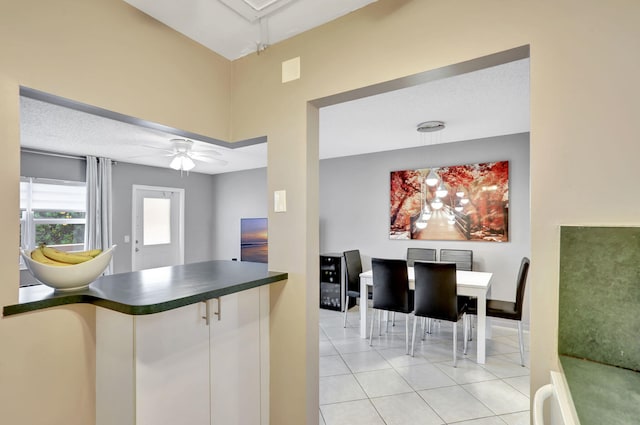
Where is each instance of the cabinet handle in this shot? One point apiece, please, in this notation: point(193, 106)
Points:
point(207, 313)
point(219, 312)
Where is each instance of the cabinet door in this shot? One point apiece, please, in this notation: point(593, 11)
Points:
point(235, 359)
point(172, 367)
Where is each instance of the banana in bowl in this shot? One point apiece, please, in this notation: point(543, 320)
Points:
point(66, 271)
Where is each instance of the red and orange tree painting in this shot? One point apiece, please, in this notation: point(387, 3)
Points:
point(460, 202)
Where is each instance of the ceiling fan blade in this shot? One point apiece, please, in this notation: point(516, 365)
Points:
point(209, 160)
point(151, 156)
point(201, 156)
point(207, 152)
point(171, 151)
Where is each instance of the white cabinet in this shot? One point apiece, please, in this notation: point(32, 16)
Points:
point(172, 364)
point(236, 360)
point(172, 368)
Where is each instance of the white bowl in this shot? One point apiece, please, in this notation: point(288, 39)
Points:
point(68, 278)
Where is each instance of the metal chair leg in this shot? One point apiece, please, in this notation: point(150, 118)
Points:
point(373, 319)
point(521, 343)
point(346, 309)
point(393, 320)
point(413, 338)
point(465, 329)
point(455, 344)
point(424, 327)
point(406, 333)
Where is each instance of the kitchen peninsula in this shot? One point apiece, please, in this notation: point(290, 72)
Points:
point(179, 344)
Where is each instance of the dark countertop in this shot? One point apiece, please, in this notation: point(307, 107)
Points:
point(154, 290)
point(602, 394)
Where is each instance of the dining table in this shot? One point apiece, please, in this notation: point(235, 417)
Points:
point(469, 283)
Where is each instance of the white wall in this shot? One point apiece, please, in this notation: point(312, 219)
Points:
point(237, 195)
point(354, 205)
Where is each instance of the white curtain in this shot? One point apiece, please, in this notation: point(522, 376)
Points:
point(98, 230)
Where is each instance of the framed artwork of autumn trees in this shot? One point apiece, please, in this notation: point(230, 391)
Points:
point(460, 202)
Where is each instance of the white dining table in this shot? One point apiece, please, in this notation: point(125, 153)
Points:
point(473, 284)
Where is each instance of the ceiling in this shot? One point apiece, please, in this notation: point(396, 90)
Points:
point(490, 102)
point(236, 28)
point(49, 127)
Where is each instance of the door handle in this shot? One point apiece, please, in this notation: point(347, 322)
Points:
point(207, 313)
point(219, 312)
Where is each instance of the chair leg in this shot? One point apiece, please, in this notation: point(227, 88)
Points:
point(393, 320)
point(455, 344)
point(465, 329)
point(373, 319)
point(346, 309)
point(380, 322)
point(406, 333)
point(521, 343)
point(470, 324)
point(424, 327)
point(413, 338)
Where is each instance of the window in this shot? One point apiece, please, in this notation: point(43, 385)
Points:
point(52, 212)
point(156, 227)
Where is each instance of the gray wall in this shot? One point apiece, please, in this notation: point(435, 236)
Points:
point(354, 204)
point(199, 219)
point(237, 195)
point(198, 201)
point(52, 167)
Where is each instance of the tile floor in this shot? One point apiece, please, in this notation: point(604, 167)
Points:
point(382, 385)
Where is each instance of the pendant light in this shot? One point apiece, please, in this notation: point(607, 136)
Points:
point(432, 178)
point(441, 191)
point(436, 204)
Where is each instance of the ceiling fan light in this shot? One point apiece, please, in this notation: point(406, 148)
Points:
point(182, 162)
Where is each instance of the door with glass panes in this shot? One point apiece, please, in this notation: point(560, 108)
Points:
point(158, 227)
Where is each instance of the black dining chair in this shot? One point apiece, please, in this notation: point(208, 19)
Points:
point(462, 257)
point(436, 297)
point(420, 254)
point(508, 309)
point(353, 266)
point(391, 292)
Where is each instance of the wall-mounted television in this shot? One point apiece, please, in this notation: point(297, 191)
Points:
point(253, 240)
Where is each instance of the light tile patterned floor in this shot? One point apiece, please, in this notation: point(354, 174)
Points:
point(382, 385)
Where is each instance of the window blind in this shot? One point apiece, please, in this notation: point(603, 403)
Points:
point(48, 195)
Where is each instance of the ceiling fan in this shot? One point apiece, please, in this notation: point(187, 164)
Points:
point(183, 155)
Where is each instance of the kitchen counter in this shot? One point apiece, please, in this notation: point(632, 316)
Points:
point(602, 394)
point(153, 290)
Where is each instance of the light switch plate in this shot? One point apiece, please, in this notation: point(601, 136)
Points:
point(280, 201)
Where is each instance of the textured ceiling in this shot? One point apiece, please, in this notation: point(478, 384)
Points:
point(490, 102)
point(52, 128)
